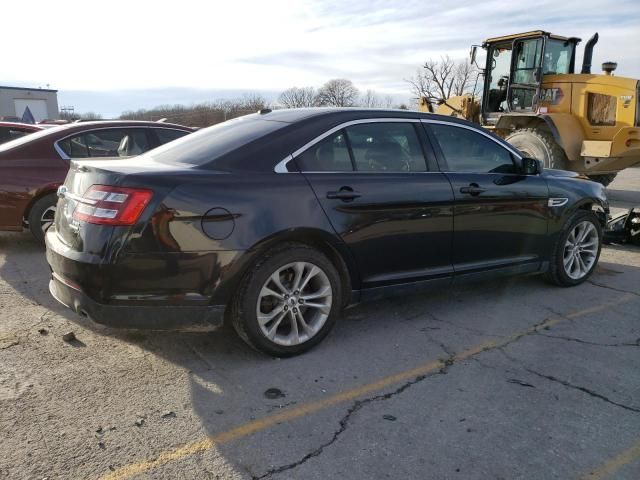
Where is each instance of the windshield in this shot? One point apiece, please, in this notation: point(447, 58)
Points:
point(210, 143)
point(557, 57)
point(28, 138)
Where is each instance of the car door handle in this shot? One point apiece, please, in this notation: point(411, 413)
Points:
point(473, 189)
point(345, 193)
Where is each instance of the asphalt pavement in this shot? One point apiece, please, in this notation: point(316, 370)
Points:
point(506, 379)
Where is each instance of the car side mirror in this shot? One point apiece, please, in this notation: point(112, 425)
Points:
point(472, 53)
point(532, 166)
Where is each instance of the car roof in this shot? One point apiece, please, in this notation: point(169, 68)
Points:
point(292, 115)
point(125, 123)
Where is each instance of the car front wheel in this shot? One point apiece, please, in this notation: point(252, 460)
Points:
point(577, 250)
point(289, 302)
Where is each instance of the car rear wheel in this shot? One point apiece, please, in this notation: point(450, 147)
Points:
point(41, 216)
point(577, 250)
point(289, 302)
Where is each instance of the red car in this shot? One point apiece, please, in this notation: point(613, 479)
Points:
point(12, 130)
point(32, 167)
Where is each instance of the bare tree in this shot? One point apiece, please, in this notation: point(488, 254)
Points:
point(370, 100)
point(253, 102)
point(440, 79)
point(298, 97)
point(338, 92)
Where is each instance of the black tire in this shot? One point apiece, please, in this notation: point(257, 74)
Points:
point(539, 144)
point(605, 179)
point(41, 206)
point(556, 273)
point(243, 314)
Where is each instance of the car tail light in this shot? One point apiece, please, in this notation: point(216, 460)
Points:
point(107, 205)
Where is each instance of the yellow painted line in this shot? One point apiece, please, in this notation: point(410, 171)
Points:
point(614, 464)
point(254, 426)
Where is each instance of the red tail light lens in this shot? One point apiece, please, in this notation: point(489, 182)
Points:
point(107, 205)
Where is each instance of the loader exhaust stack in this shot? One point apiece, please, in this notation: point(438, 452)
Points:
point(588, 54)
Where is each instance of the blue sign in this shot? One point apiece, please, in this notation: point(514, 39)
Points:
point(27, 116)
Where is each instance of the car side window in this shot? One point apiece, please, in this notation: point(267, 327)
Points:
point(166, 135)
point(386, 147)
point(109, 142)
point(75, 147)
point(468, 151)
point(328, 155)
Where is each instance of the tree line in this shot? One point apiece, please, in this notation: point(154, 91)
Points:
point(337, 92)
point(434, 82)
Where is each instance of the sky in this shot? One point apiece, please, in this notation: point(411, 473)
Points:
point(112, 56)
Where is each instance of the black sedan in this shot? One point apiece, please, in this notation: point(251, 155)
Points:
point(277, 220)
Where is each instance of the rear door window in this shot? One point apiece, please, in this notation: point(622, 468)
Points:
point(108, 142)
point(328, 155)
point(367, 147)
point(386, 147)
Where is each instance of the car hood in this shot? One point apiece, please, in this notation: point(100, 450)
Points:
point(554, 172)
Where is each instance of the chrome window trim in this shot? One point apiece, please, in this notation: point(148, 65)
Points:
point(281, 166)
point(64, 156)
point(61, 152)
point(474, 129)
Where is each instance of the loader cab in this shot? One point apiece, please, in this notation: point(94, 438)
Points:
point(515, 67)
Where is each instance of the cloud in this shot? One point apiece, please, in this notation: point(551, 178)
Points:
point(254, 45)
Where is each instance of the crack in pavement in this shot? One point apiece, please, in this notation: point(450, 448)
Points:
point(359, 404)
point(344, 422)
point(408, 317)
point(587, 342)
point(567, 384)
point(409, 377)
point(621, 290)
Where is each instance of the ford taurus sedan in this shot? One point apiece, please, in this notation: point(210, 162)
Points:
point(277, 220)
point(32, 167)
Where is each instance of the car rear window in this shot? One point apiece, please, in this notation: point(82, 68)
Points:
point(208, 144)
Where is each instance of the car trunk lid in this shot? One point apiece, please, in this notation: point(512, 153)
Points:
point(83, 175)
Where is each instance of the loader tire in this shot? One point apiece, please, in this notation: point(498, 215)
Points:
point(539, 144)
point(605, 179)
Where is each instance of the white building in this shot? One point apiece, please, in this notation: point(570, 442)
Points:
point(42, 103)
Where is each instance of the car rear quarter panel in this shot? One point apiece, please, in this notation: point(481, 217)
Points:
point(244, 216)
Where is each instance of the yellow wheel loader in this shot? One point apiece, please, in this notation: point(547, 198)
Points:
point(532, 97)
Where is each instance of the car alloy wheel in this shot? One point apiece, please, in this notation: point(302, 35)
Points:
point(580, 250)
point(294, 303)
point(47, 217)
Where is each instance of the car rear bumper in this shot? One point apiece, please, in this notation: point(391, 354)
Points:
point(136, 295)
point(145, 317)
